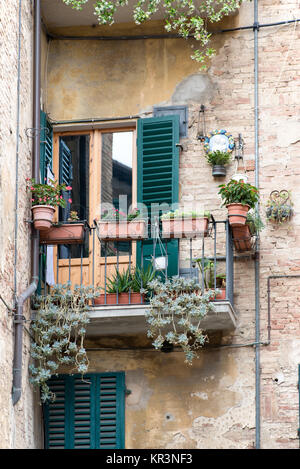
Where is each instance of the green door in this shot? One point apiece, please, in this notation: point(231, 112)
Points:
point(158, 181)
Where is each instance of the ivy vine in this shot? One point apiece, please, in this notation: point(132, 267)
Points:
point(189, 18)
point(58, 330)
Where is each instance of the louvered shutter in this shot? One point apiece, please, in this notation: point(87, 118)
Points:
point(65, 176)
point(158, 178)
point(87, 413)
point(46, 154)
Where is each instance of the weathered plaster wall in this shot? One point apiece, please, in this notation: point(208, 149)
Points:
point(19, 425)
point(212, 404)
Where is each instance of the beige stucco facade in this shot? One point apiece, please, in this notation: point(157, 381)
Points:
point(172, 405)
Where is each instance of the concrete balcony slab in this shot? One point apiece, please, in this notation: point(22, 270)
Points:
point(130, 319)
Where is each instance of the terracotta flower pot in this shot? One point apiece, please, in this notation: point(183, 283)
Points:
point(121, 230)
point(42, 216)
point(219, 296)
point(237, 213)
point(123, 299)
point(242, 238)
point(184, 227)
point(68, 233)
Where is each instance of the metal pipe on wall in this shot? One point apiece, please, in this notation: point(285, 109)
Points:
point(257, 262)
point(19, 318)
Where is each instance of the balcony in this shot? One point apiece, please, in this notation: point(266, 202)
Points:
point(91, 261)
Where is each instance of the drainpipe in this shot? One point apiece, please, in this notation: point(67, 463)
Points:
point(257, 261)
point(19, 318)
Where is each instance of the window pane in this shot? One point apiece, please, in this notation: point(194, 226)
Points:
point(116, 179)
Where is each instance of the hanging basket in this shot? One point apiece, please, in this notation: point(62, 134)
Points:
point(42, 216)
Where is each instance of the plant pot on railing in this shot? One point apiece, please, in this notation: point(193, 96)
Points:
point(42, 216)
point(184, 225)
point(127, 298)
point(66, 233)
point(238, 197)
point(242, 238)
point(45, 198)
point(111, 230)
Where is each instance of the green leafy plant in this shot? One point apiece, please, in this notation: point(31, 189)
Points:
point(135, 280)
point(120, 282)
point(177, 308)
point(117, 215)
point(254, 222)
point(279, 207)
point(189, 18)
point(239, 192)
point(207, 269)
point(58, 330)
point(47, 194)
point(180, 214)
point(218, 158)
point(73, 216)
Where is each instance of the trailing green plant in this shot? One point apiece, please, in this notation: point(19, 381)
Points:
point(239, 192)
point(180, 214)
point(58, 330)
point(279, 207)
point(254, 222)
point(189, 18)
point(177, 308)
point(218, 158)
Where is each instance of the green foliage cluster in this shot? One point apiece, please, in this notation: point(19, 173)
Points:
point(188, 18)
point(58, 330)
point(279, 209)
point(218, 158)
point(115, 214)
point(255, 222)
point(47, 194)
point(136, 280)
point(239, 192)
point(177, 308)
point(180, 214)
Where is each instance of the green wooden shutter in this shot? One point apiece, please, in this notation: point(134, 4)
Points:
point(158, 177)
point(87, 413)
point(46, 158)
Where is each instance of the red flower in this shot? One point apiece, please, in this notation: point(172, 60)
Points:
point(70, 201)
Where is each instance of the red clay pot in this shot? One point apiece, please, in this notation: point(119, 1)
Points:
point(42, 216)
point(68, 233)
point(184, 227)
point(237, 214)
point(241, 238)
point(123, 299)
point(122, 230)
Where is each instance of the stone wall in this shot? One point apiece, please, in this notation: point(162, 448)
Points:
point(215, 406)
point(19, 425)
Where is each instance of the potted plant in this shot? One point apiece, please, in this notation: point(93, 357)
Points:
point(128, 287)
point(44, 199)
point(177, 307)
point(207, 268)
point(243, 234)
point(279, 207)
point(218, 160)
point(65, 233)
point(178, 224)
point(117, 225)
point(238, 197)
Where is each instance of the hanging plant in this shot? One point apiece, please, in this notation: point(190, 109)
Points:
point(177, 308)
point(189, 18)
point(279, 206)
point(59, 329)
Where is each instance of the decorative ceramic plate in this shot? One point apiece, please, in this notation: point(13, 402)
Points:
point(219, 140)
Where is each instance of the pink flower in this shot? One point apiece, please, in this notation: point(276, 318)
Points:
point(32, 200)
point(61, 197)
point(70, 201)
point(68, 188)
